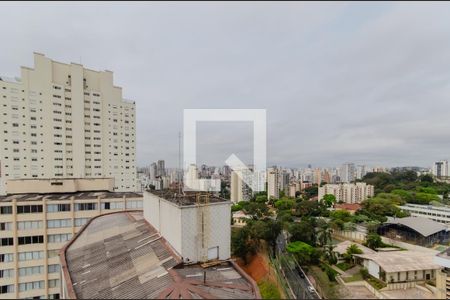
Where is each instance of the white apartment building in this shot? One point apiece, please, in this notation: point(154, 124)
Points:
point(66, 121)
point(436, 213)
point(348, 192)
point(273, 183)
point(348, 172)
point(34, 227)
point(440, 168)
point(239, 190)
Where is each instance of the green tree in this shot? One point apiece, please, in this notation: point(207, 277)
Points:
point(303, 231)
point(256, 210)
point(426, 178)
point(374, 241)
point(329, 200)
point(284, 204)
point(323, 233)
point(242, 244)
point(351, 250)
point(303, 252)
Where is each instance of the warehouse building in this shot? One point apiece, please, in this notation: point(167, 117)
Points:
point(177, 248)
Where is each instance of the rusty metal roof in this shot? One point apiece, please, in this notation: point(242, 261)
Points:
point(120, 255)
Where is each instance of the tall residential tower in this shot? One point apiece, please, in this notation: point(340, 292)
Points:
point(65, 121)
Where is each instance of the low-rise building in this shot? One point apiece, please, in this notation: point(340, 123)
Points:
point(123, 255)
point(443, 275)
point(400, 266)
point(341, 248)
point(416, 230)
point(350, 207)
point(439, 214)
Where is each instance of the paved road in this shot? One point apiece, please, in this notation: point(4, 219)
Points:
point(298, 284)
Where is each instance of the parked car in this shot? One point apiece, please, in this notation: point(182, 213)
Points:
point(300, 272)
point(311, 289)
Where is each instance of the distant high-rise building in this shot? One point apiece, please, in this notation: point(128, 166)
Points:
point(360, 171)
point(440, 168)
point(153, 171)
point(273, 187)
point(161, 169)
point(239, 190)
point(347, 172)
point(65, 121)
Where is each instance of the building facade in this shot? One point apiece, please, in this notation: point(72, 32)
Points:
point(439, 214)
point(273, 184)
point(348, 192)
point(440, 168)
point(239, 190)
point(66, 121)
point(197, 228)
point(34, 227)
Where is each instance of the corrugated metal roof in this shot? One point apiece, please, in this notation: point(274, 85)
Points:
point(121, 256)
point(424, 226)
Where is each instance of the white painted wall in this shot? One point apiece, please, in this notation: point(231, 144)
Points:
point(179, 226)
point(373, 268)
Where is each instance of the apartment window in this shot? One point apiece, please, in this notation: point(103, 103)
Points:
point(5, 226)
point(7, 242)
point(59, 238)
point(8, 273)
point(5, 210)
point(59, 223)
point(31, 255)
point(85, 206)
point(29, 271)
point(27, 209)
point(5, 289)
point(27, 225)
point(133, 204)
point(53, 268)
point(34, 285)
point(53, 283)
point(52, 253)
point(80, 221)
point(6, 257)
point(27, 240)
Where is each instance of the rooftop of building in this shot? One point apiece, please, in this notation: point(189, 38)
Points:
point(187, 198)
point(10, 79)
point(423, 226)
point(342, 247)
point(348, 206)
point(67, 196)
point(120, 255)
point(401, 261)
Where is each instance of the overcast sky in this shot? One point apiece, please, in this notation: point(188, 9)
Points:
point(367, 83)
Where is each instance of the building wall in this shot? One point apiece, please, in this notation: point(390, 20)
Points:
point(56, 126)
point(273, 188)
point(49, 248)
point(438, 214)
point(182, 226)
point(348, 192)
point(40, 186)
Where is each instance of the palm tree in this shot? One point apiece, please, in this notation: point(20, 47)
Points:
point(324, 233)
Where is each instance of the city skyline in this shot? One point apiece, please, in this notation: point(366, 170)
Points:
point(326, 98)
